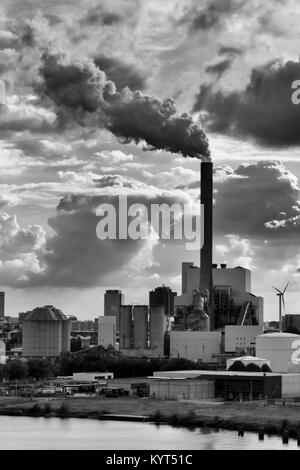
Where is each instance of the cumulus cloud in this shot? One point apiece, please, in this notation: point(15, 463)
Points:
point(19, 249)
point(252, 196)
point(211, 15)
point(24, 114)
point(239, 249)
point(72, 255)
point(263, 110)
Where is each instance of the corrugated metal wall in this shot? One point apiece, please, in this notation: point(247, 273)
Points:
point(182, 389)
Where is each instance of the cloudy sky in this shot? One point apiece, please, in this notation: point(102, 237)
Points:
point(107, 98)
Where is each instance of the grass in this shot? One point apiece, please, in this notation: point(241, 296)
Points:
point(249, 416)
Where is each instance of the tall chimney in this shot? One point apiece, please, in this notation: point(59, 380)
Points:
point(206, 281)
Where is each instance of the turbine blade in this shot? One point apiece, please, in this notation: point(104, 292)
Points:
point(286, 287)
point(277, 289)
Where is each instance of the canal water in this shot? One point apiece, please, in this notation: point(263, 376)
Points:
point(87, 434)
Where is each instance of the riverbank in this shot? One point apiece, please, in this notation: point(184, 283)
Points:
point(250, 416)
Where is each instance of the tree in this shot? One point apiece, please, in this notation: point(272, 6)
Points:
point(39, 368)
point(237, 366)
point(265, 368)
point(16, 369)
point(252, 368)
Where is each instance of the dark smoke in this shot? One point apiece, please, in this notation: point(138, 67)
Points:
point(219, 68)
point(121, 73)
point(81, 91)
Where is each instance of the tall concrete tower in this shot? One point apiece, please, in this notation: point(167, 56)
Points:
point(206, 281)
point(2, 304)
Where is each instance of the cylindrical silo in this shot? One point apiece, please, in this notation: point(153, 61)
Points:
point(281, 350)
point(45, 333)
point(125, 323)
point(140, 329)
point(158, 327)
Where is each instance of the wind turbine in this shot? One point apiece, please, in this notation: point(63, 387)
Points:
point(281, 303)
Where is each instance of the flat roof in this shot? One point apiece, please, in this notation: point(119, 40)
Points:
point(189, 374)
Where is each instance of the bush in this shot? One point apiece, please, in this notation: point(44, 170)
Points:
point(252, 368)
point(36, 410)
point(265, 368)
point(47, 408)
point(157, 416)
point(238, 366)
point(284, 425)
point(64, 410)
point(39, 368)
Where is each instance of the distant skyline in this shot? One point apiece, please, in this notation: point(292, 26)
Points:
point(230, 64)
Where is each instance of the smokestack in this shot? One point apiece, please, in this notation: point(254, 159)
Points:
point(206, 281)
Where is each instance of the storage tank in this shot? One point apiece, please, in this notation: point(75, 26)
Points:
point(125, 322)
point(158, 327)
point(140, 328)
point(45, 333)
point(282, 350)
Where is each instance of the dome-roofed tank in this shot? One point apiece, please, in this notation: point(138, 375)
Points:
point(46, 333)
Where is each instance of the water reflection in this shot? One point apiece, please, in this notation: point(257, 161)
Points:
point(54, 433)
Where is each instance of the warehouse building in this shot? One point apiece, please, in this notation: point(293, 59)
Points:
point(224, 385)
point(186, 389)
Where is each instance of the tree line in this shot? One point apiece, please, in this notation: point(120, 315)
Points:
point(94, 361)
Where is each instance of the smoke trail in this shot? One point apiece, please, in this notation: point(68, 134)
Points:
point(81, 92)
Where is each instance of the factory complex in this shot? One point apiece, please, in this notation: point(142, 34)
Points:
point(216, 322)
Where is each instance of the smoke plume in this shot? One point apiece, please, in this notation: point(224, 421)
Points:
point(82, 92)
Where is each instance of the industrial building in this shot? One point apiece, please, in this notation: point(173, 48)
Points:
point(143, 330)
point(291, 322)
point(2, 305)
point(233, 302)
point(187, 389)
point(238, 314)
point(227, 385)
point(241, 339)
point(82, 326)
point(195, 345)
point(107, 331)
point(113, 299)
point(281, 349)
point(91, 376)
point(246, 360)
point(163, 296)
point(46, 333)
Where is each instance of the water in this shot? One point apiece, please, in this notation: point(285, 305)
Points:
point(84, 434)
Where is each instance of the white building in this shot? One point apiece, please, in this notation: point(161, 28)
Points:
point(241, 338)
point(92, 376)
point(107, 331)
point(195, 345)
point(248, 360)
